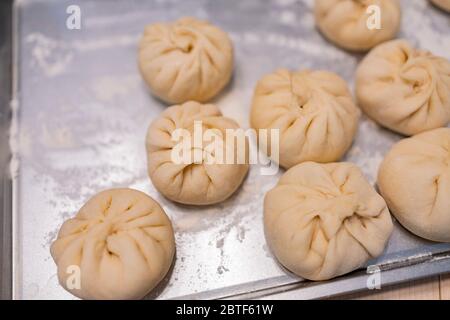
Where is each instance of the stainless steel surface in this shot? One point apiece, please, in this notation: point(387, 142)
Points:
point(82, 115)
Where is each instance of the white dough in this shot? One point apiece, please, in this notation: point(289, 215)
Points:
point(191, 182)
point(121, 242)
point(345, 22)
point(443, 4)
point(414, 178)
point(404, 89)
point(325, 220)
point(188, 59)
point(313, 111)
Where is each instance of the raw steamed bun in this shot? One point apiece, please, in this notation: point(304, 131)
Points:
point(344, 22)
point(414, 178)
point(404, 89)
point(443, 4)
point(122, 242)
point(188, 59)
point(313, 110)
point(325, 220)
point(192, 183)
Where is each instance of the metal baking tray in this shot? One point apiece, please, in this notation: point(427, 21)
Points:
point(80, 112)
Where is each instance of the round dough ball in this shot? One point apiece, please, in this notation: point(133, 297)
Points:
point(414, 178)
point(188, 59)
point(121, 242)
point(344, 22)
point(325, 220)
point(192, 181)
point(443, 4)
point(404, 89)
point(313, 110)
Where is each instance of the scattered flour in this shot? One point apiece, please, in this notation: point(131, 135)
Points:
point(50, 55)
point(53, 57)
point(58, 138)
point(14, 140)
point(109, 88)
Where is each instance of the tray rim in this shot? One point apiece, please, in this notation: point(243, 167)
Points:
point(289, 286)
point(6, 87)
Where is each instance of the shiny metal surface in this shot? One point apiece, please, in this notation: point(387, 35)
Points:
point(83, 112)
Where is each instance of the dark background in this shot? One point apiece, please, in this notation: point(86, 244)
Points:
point(5, 116)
